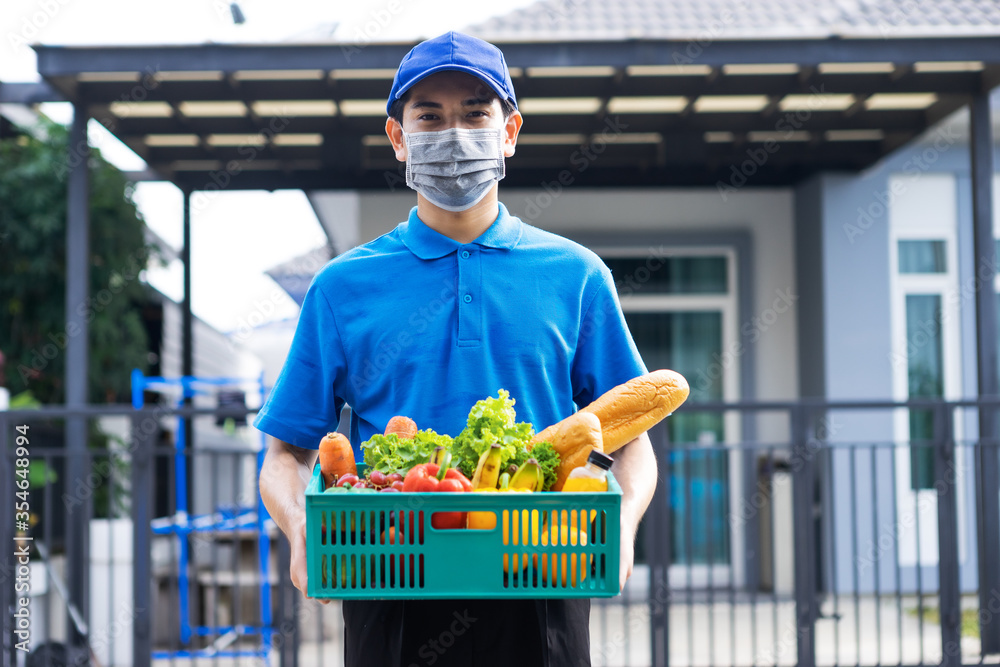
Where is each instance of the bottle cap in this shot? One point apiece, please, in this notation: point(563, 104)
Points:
point(600, 459)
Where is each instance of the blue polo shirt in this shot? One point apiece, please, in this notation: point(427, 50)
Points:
point(415, 323)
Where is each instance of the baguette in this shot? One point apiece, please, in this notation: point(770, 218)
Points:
point(632, 408)
point(573, 439)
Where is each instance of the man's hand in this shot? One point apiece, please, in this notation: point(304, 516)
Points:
point(283, 479)
point(627, 557)
point(635, 470)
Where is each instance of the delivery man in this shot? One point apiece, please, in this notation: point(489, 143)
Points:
point(460, 300)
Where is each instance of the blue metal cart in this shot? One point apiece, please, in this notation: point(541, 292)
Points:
point(182, 524)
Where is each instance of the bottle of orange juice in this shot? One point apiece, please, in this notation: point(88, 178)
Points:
point(592, 477)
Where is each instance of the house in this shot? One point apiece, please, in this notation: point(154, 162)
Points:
point(794, 199)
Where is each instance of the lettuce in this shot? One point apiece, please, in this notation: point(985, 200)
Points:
point(491, 420)
point(390, 453)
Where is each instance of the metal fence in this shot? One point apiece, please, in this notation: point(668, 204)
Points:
point(801, 533)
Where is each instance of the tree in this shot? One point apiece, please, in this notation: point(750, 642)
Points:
point(33, 333)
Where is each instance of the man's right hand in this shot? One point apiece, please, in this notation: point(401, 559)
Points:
point(283, 479)
point(297, 569)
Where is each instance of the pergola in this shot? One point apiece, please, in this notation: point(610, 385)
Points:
point(662, 112)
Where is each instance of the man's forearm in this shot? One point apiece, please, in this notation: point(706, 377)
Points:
point(635, 470)
point(283, 479)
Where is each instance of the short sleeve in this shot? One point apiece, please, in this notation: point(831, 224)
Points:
point(304, 403)
point(606, 355)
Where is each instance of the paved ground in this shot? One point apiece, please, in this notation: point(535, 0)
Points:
point(741, 630)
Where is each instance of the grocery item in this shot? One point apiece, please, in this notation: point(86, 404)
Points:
point(591, 477)
point(529, 476)
point(573, 439)
point(402, 426)
point(631, 408)
point(432, 478)
point(336, 457)
point(488, 470)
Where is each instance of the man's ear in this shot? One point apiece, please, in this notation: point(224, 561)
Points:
point(395, 133)
point(511, 128)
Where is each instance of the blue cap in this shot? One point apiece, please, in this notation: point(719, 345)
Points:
point(453, 51)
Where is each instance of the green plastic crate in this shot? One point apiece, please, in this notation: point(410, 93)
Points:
point(351, 555)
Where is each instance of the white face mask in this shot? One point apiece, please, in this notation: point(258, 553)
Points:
point(454, 168)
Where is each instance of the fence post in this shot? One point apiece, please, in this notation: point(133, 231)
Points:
point(658, 551)
point(288, 608)
point(803, 494)
point(947, 510)
point(142, 515)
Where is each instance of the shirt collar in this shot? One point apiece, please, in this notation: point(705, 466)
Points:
point(427, 243)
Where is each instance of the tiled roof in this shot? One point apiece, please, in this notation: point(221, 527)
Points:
point(741, 19)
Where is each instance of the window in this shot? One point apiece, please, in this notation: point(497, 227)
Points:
point(925, 376)
point(669, 275)
point(924, 256)
point(681, 311)
point(925, 355)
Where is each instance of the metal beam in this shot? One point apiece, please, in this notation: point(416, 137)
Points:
point(988, 468)
point(29, 93)
point(57, 61)
point(947, 515)
point(143, 427)
point(77, 361)
point(803, 520)
point(187, 322)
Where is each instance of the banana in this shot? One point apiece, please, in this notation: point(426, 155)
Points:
point(529, 476)
point(437, 458)
point(488, 468)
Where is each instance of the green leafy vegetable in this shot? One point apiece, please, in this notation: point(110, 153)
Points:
point(491, 420)
point(547, 457)
point(390, 453)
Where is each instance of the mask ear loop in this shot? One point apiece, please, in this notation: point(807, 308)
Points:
point(409, 155)
point(503, 160)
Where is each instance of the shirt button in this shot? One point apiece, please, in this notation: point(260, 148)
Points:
point(465, 254)
point(468, 298)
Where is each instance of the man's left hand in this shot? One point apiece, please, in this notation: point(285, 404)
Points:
point(627, 556)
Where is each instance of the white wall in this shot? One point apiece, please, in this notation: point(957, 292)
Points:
point(766, 213)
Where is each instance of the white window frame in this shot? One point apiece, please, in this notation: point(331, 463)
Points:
point(917, 510)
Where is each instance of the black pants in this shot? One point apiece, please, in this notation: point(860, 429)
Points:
point(467, 633)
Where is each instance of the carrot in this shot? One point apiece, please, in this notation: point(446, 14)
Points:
point(336, 458)
point(402, 426)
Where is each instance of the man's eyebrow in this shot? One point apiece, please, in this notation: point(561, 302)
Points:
point(470, 102)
